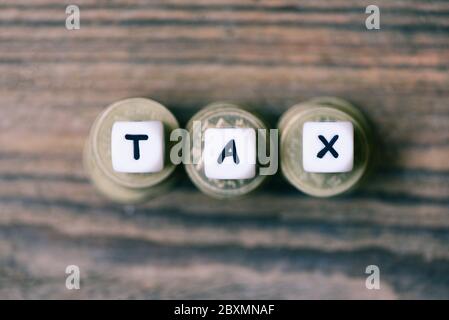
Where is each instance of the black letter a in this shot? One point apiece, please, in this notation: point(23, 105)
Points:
point(229, 150)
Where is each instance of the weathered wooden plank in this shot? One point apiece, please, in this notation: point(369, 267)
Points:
point(268, 54)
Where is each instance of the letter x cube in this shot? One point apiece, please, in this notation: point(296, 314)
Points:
point(328, 146)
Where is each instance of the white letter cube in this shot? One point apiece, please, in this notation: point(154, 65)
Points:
point(235, 148)
point(137, 146)
point(328, 146)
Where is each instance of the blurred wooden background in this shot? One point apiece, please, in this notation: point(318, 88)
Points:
point(267, 54)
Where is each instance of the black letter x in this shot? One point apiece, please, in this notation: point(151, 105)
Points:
point(327, 146)
point(136, 138)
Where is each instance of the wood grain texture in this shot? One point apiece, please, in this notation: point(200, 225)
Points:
point(268, 54)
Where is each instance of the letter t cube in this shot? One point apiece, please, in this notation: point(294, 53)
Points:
point(137, 146)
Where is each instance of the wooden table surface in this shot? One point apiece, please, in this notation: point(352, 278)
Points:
point(269, 55)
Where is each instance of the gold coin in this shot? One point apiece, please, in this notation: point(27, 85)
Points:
point(222, 115)
point(127, 187)
point(315, 110)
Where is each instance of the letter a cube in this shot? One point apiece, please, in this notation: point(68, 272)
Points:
point(230, 153)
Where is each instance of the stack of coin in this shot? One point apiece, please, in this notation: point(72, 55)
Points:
point(317, 110)
point(222, 115)
point(128, 188)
